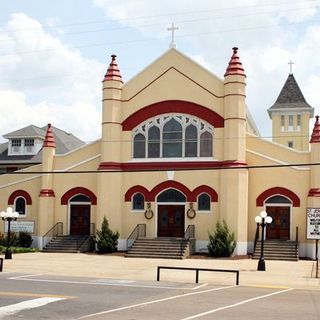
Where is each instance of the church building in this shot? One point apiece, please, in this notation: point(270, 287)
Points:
point(179, 148)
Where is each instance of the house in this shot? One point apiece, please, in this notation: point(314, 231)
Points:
point(178, 149)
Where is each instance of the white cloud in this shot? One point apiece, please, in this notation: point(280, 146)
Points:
point(43, 80)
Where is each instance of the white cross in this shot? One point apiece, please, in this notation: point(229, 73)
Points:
point(172, 29)
point(291, 63)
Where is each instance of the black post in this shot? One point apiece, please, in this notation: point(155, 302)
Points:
point(8, 254)
point(261, 263)
point(317, 259)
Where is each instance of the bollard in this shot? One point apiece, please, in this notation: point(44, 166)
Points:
point(1, 264)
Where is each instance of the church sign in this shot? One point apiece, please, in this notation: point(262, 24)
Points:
point(20, 226)
point(313, 223)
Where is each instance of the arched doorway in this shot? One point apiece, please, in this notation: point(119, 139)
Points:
point(80, 206)
point(171, 213)
point(279, 208)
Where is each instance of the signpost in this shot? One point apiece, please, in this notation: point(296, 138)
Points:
point(313, 230)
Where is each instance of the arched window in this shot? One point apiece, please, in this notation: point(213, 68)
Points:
point(191, 141)
point(139, 146)
point(80, 198)
point(278, 199)
point(206, 144)
point(172, 139)
point(204, 202)
point(171, 195)
point(154, 142)
point(20, 206)
point(138, 201)
point(173, 136)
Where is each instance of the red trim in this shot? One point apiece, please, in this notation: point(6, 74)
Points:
point(136, 189)
point(46, 193)
point(110, 122)
point(205, 189)
point(19, 193)
point(170, 165)
point(113, 88)
point(278, 191)
point(314, 192)
point(170, 184)
point(236, 82)
point(173, 106)
point(79, 190)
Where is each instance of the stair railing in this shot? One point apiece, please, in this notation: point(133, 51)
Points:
point(190, 236)
point(256, 238)
point(87, 244)
point(138, 232)
point(297, 240)
point(56, 230)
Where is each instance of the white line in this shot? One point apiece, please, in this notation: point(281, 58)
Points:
point(154, 301)
point(235, 304)
point(21, 278)
point(25, 305)
point(25, 276)
point(198, 287)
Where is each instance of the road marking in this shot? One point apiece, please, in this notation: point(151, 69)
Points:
point(30, 294)
point(24, 278)
point(25, 305)
point(154, 301)
point(236, 304)
point(268, 286)
point(198, 287)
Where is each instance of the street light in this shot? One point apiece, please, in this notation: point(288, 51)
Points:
point(9, 216)
point(263, 219)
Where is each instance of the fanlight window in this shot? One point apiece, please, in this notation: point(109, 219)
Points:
point(80, 198)
point(173, 136)
point(171, 195)
point(278, 199)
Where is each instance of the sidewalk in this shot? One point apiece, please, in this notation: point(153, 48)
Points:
point(278, 273)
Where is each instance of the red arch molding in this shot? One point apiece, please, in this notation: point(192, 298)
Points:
point(173, 106)
point(204, 189)
point(79, 190)
point(278, 191)
point(19, 193)
point(136, 189)
point(170, 184)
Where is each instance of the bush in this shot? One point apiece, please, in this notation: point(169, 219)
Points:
point(221, 242)
point(13, 240)
point(18, 249)
point(107, 240)
point(24, 240)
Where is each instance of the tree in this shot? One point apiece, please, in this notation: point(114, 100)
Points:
point(107, 240)
point(221, 242)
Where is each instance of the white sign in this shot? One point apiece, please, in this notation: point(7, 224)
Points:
point(313, 223)
point(20, 226)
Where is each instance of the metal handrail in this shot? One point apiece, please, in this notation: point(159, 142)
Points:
point(92, 230)
point(256, 237)
point(56, 230)
point(138, 231)
point(297, 238)
point(190, 232)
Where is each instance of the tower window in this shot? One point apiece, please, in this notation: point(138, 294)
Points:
point(290, 144)
point(299, 122)
point(290, 126)
point(282, 123)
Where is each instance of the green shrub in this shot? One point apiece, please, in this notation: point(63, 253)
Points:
point(107, 240)
point(24, 240)
point(221, 242)
point(13, 240)
point(18, 249)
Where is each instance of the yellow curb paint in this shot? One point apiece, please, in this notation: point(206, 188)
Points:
point(29, 294)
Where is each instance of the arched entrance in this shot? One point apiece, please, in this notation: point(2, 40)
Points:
point(80, 206)
point(279, 208)
point(171, 213)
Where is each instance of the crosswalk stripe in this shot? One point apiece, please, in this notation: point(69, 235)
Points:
point(25, 305)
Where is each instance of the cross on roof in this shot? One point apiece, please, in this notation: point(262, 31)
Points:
point(173, 28)
point(291, 63)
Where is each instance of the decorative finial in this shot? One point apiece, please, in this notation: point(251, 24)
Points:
point(113, 57)
point(235, 50)
point(172, 29)
point(291, 63)
point(317, 118)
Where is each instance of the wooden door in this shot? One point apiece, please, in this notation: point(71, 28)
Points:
point(280, 226)
point(171, 221)
point(80, 219)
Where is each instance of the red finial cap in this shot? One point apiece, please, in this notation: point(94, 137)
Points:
point(49, 141)
point(113, 72)
point(235, 65)
point(315, 137)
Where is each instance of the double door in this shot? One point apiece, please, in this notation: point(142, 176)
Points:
point(171, 221)
point(280, 226)
point(79, 219)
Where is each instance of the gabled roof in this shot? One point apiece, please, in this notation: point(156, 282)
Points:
point(65, 142)
point(290, 97)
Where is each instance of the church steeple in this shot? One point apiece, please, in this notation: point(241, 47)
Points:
point(290, 116)
point(113, 72)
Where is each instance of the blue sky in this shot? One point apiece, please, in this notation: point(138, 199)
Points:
point(53, 54)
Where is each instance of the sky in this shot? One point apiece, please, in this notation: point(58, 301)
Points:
point(54, 54)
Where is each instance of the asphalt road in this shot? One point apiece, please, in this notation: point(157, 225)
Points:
point(26, 296)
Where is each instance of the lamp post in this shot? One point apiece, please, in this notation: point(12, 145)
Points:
point(263, 219)
point(9, 216)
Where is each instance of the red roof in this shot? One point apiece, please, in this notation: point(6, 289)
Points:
point(315, 137)
point(113, 72)
point(49, 141)
point(235, 65)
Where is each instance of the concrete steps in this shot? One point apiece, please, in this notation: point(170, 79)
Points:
point(163, 248)
point(70, 244)
point(277, 250)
